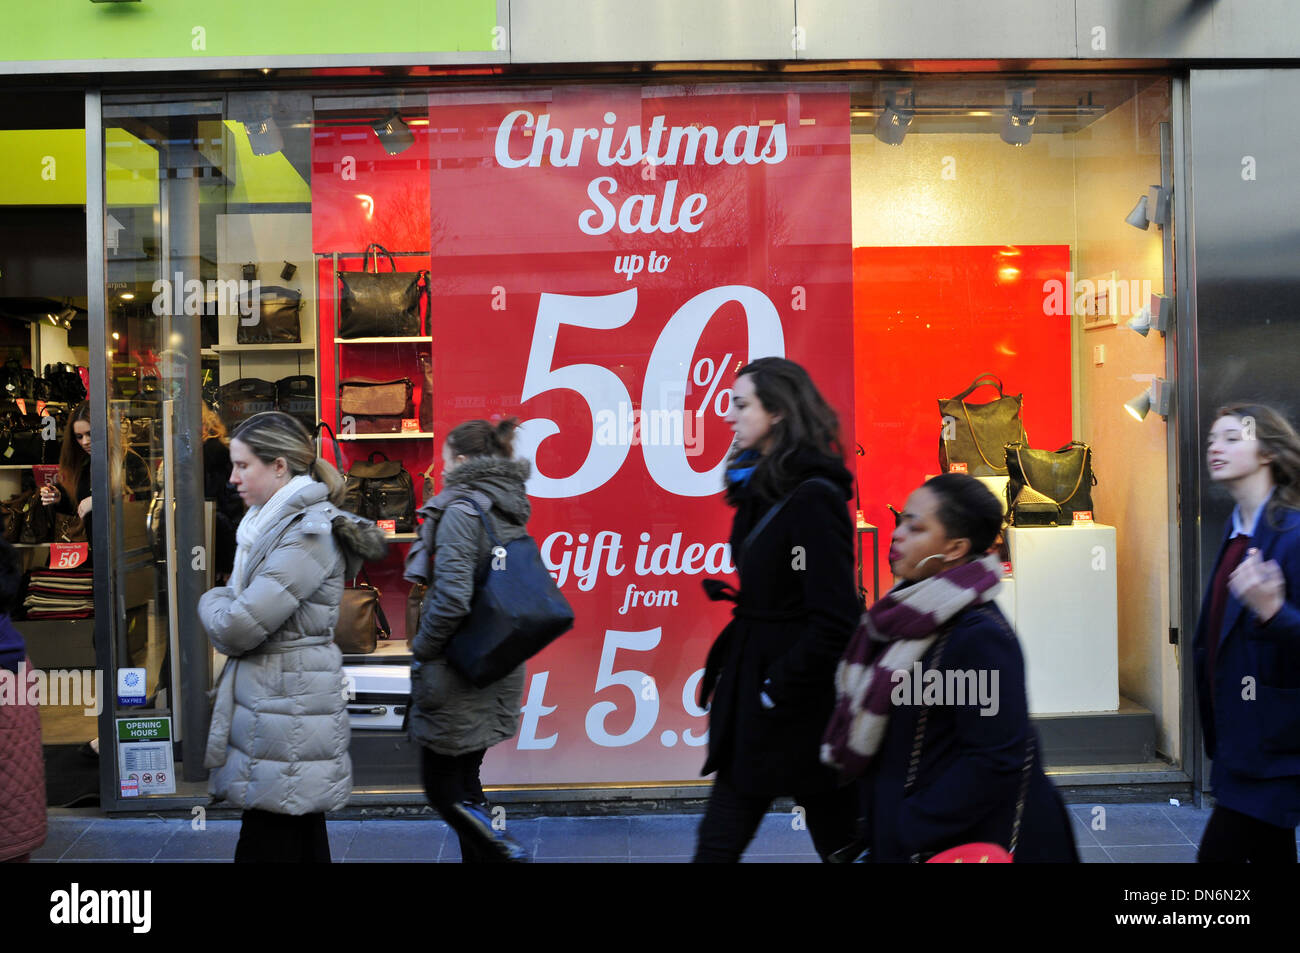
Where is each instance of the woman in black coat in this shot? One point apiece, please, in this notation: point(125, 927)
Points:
point(770, 674)
point(935, 664)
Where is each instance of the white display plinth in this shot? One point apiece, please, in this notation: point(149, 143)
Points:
point(1067, 616)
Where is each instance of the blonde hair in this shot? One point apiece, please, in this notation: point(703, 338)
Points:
point(272, 435)
point(213, 426)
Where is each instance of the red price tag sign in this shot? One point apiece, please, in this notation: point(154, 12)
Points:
point(1083, 517)
point(68, 555)
point(957, 468)
point(410, 425)
point(388, 526)
point(47, 474)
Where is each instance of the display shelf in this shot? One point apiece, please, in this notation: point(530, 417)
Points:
point(208, 352)
point(385, 436)
point(18, 466)
point(220, 349)
point(401, 537)
point(427, 339)
point(28, 545)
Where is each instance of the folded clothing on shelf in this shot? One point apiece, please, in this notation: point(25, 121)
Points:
point(60, 594)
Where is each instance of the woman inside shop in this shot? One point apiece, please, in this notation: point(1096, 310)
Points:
point(218, 489)
point(453, 722)
point(1247, 648)
point(278, 743)
point(959, 763)
point(71, 495)
point(770, 674)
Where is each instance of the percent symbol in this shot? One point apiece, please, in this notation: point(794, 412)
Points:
point(704, 372)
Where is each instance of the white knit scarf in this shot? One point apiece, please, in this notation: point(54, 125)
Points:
point(257, 521)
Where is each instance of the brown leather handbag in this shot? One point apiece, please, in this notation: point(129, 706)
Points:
point(69, 528)
point(414, 603)
point(362, 622)
point(375, 406)
point(973, 436)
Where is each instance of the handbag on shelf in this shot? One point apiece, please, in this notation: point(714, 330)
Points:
point(1047, 487)
point(21, 439)
point(376, 406)
point(17, 382)
point(380, 304)
point(69, 528)
point(362, 622)
point(296, 396)
point(243, 398)
point(414, 603)
point(277, 318)
point(63, 384)
point(974, 435)
point(517, 610)
point(426, 393)
point(36, 525)
point(381, 490)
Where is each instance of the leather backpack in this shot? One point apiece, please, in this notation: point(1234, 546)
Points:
point(381, 490)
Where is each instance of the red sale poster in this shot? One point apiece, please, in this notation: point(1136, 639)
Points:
point(603, 260)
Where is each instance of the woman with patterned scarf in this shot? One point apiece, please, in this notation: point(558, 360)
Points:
point(931, 713)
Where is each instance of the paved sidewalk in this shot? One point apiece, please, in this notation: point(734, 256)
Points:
point(1124, 833)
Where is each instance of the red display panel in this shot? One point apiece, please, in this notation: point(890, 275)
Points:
point(927, 321)
point(607, 299)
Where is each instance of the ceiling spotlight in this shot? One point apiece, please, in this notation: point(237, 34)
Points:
point(1018, 127)
point(394, 134)
point(1155, 314)
point(264, 136)
point(1138, 217)
point(892, 126)
point(1158, 205)
point(1157, 397)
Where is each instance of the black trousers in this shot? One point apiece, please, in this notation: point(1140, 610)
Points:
point(1235, 838)
point(449, 779)
point(267, 838)
point(732, 818)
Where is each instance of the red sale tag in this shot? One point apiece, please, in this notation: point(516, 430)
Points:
point(410, 425)
point(21, 405)
point(1083, 518)
point(957, 468)
point(68, 555)
point(47, 474)
point(388, 526)
point(1006, 569)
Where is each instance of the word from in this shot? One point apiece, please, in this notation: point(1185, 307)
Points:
point(954, 687)
point(632, 427)
point(1095, 297)
point(666, 559)
point(650, 598)
point(631, 265)
point(193, 296)
point(55, 687)
point(134, 907)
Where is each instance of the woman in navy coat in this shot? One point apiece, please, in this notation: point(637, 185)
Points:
point(950, 757)
point(1247, 647)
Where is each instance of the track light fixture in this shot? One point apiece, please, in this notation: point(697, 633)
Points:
point(892, 126)
point(1018, 127)
point(1157, 397)
point(1155, 314)
point(264, 137)
point(394, 134)
point(1152, 207)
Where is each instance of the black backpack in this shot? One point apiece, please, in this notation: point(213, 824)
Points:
point(381, 490)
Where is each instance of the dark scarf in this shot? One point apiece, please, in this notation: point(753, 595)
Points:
point(894, 633)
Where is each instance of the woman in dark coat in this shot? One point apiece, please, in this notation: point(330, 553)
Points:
point(453, 721)
point(770, 674)
point(1247, 648)
point(935, 662)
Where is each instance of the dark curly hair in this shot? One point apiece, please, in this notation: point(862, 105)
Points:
point(967, 510)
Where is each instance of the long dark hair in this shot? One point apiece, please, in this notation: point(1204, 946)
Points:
point(807, 423)
point(71, 457)
point(1278, 439)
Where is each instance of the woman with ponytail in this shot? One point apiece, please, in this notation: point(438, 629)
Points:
point(278, 743)
point(453, 722)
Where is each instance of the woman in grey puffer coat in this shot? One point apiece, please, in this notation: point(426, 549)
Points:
point(278, 743)
point(454, 722)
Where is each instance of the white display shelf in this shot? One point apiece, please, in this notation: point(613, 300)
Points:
point(427, 339)
point(385, 436)
point(18, 466)
point(223, 348)
point(401, 537)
